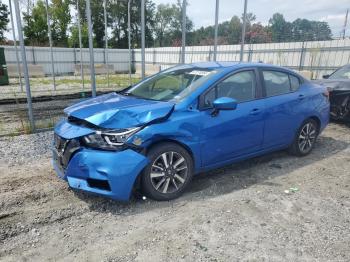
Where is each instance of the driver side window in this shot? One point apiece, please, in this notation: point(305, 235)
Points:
point(240, 86)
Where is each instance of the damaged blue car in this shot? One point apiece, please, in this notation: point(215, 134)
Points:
point(156, 135)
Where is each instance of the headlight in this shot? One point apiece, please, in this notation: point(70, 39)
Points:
point(109, 140)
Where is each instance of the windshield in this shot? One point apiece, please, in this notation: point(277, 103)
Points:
point(172, 84)
point(342, 73)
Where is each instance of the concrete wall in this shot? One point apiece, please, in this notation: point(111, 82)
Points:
point(66, 58)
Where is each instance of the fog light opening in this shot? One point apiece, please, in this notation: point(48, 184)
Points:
point(99, 184)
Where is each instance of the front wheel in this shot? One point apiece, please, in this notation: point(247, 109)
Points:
point(305, 138)
point(169, 172)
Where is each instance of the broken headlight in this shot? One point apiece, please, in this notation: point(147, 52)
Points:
point(109, 140)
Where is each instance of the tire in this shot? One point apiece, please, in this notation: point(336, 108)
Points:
point(305, 138)
point(169, 172)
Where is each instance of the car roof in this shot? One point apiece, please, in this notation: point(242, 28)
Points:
point(214, 65)
point(237, 65)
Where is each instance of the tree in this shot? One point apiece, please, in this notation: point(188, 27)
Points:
point(61, 18)
point(250, 18)
point(298, 30)
point(305, 30)
point(4, 19)
point(35, 25)
point(322, 30)
point(164, 19)
point(118, 18)
point(97, 18)
point(73, 40)
point(98, 25)
point(229, 32)
point(176, 33)
point(281, 30)
point(234, 31)
point(258, 34)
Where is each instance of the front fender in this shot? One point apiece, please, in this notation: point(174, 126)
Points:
point(180, 130)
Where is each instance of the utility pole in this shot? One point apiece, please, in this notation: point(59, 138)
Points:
point(345, 23)
point(183, 50)
point(28, 6)
point(143, 57)
point(91, 49)
point(25, 68)
point(243, 29)
point(15, 46)
point(129, 41)
point(80, 47)
point(106, 39)
point(50, 42)
point(216, 29)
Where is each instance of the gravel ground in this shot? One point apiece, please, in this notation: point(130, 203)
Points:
point(240, 212)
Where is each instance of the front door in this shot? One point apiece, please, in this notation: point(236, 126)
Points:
point(232, 133)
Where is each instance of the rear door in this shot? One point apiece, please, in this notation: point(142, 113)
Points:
point(283, 103)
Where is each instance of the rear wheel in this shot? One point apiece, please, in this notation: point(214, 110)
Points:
point(169, 172)
point(305, 138)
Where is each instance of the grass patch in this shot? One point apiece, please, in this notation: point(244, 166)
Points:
point(25, 128)
point(115, 80)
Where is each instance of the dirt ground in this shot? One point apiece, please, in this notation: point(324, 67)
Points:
point(238, 213)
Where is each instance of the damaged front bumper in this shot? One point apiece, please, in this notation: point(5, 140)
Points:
point(108, 173)
point(111, 174)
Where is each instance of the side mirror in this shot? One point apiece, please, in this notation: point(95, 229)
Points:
point(224, 103)
point(325, 76)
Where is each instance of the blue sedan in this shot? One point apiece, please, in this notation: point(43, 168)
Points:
point(156, 135)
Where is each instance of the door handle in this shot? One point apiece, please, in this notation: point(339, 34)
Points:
point(255, 111)
point(301, 97)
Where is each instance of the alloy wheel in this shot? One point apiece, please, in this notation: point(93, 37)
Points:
point(169, 172)
point(307, 137)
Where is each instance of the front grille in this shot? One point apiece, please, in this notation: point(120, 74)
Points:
point(65, 149)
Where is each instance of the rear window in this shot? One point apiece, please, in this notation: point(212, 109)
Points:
point(279, 83)
point(276, 83)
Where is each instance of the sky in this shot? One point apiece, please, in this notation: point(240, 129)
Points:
point(202, 11)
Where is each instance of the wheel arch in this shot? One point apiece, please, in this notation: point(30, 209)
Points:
point(137, 183)
point(317, 120)
point(174, 141)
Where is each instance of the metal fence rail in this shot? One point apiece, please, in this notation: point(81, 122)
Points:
point(319, 57)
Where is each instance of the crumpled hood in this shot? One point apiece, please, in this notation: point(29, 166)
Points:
point(335, 84)
point(116, 111)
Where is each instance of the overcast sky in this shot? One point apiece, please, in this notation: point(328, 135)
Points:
point(202, 11)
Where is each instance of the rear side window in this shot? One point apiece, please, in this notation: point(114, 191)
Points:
point(276, 83)
point(294, 82)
